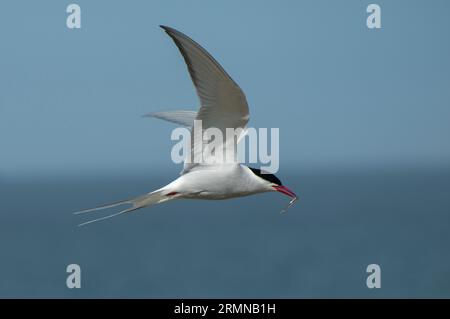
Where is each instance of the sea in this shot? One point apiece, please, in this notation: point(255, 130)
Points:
point(344, 221)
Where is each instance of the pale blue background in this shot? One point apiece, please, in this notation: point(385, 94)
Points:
point(71, 100)
point(364, 126)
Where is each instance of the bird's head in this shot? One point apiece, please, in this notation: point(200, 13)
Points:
point(273, 183)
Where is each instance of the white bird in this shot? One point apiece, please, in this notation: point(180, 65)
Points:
point(222, 105)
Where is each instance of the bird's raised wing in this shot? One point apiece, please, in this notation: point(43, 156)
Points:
point(222, 103)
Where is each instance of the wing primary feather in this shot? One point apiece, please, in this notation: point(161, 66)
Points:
point(180, 117)
point(173, 33)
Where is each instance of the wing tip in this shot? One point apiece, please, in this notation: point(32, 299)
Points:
point(172, 32)
point(165, 28)
point(151, 114)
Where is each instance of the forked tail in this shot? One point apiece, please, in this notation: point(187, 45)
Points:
point(149, 199)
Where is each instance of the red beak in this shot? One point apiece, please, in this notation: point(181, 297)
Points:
point(285, 190)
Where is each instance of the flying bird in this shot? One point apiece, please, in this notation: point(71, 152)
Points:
point(222, 105)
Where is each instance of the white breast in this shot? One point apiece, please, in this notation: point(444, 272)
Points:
point(218, 182)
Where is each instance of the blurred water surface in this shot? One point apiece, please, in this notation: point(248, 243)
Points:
point(345, 220)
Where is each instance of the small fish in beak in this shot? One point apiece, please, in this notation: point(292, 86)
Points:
point(288, 192)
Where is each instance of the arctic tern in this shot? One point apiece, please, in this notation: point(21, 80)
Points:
point(222, 105)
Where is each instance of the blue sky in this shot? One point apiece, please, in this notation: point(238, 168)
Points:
point(71, 100)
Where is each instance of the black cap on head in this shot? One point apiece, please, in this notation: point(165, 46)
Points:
point(267, 176)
